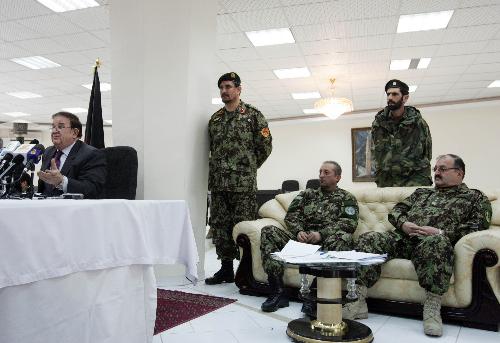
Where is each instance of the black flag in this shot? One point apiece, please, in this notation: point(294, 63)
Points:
point(94, 132)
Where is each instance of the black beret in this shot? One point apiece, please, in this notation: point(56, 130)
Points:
point(398, 84)
point(230, 77)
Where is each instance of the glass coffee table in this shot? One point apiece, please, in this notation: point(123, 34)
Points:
point(329, 326)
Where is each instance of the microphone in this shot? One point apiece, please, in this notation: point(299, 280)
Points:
point(33, 157)
point(16, 161)
point(6, 159)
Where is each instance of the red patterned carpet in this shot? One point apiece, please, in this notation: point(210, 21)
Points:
point(175, 307)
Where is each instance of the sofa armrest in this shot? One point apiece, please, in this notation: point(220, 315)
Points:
point(252, 228)
point(250, 274)
point(486, 244)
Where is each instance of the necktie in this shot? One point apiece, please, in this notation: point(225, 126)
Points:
point(57, 158)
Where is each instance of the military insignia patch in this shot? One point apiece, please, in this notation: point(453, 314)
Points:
point(350, 210)
point(233, 75)
point(265, 132)
point(241, 110)
point(394, 83)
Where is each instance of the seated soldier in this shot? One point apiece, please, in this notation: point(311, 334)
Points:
point(327, 216)
point(428, 224)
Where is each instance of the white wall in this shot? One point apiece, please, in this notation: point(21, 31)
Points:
point(471, 131)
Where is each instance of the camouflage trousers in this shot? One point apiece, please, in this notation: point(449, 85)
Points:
point(416, 178)
point(228, 209)
point(273, 239)
point(432, 257)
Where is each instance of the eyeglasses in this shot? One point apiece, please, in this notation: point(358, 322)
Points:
point(58, 128)
point(443, 169)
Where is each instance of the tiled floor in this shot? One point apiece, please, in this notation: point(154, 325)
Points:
point(244, 322)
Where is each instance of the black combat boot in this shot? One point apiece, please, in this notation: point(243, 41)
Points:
point(225, 274)
point(278, 298)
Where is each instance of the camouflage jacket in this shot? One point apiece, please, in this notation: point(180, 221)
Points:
point(400, 148)
point(456, 210)
point(240, 142)
point(324, 212)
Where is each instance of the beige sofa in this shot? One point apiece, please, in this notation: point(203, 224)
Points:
point(474, 294)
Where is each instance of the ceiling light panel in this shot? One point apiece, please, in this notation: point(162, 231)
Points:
point(65, 5)
point(400, 64)
point(292, 73)
point(310, 111)
point(306, 95)
point(24, 95)
point(35, 62)
point(495, 83)
point(424, 21)
point(423, 63)
point(270, 37)
point(17, 114)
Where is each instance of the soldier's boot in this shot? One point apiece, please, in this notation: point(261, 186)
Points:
point(225, 274)
point(357, 309)
point(278, 298)
point(433, 324)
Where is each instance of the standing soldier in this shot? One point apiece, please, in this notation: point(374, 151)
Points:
point(402, 143)
point(428, 225)
point(240, 142)
point(327, 216)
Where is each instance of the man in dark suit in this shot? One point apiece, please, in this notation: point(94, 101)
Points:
point(71, 166)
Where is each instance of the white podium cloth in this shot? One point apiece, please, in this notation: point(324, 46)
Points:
point(81, 270)
point(49, 238)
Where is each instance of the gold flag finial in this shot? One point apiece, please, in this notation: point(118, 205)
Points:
point(97, 63)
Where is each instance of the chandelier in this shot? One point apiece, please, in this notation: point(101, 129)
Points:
point(333, 107)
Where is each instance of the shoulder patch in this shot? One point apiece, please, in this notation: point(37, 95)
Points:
point(265, 132)
point(350, 210)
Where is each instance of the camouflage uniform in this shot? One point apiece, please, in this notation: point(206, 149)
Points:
point(402, 150)
point(333, 214)
point(240, 142)
point(457, 211)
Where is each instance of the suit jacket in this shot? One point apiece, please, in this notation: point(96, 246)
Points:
point(85, 168)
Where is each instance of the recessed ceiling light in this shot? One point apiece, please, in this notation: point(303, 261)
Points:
point(310, 111)
point(104, 86)
point(65, 5)
point(24, 95)
point(17, 114)
point(306, 95)
point(424, 21)
point(109, 121)
point(75, 109)
point(35, 62)
point(495, 83)
point(400, 64)
point(217, 101)
point(270, 37)
point(423, 63)
point(292, 73)
point(413, 88)
point(21, 121)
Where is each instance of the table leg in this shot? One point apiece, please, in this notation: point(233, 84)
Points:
point(329, 326)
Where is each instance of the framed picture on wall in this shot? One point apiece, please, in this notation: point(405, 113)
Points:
point(363, 168)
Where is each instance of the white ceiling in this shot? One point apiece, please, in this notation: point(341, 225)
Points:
point(350, 40)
